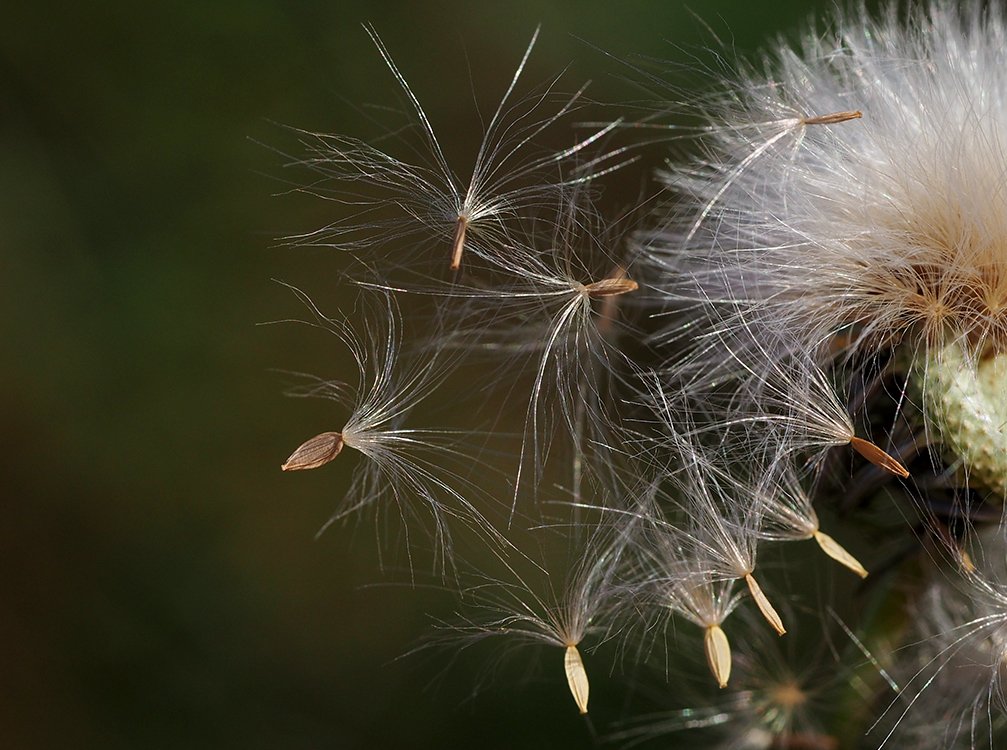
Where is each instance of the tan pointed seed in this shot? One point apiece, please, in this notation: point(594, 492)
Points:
point(833, 118)
point(837, 552)
point(718, 654)
point(315, 452)
point(576, 677)
point(764, 606)
point(878, 457)
point(610, 287)
point(458, 246)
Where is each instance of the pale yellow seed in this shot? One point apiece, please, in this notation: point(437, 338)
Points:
point(576, 677)
point(718, 654)
point(764, 606)
point(837, 552)
point(966, 560)
point(315, 452)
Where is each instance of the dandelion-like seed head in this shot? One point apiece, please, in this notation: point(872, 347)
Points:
point(878, 236)
point(811, 330)
point(876, 228)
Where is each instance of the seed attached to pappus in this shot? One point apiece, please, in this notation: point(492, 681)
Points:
point(767, 609)
point(611, 287)
point(315, 452)
point(718, 654)
point(458, 246)
point(837, 552)
point(576, 677)
point(878, 457)
point(833, 118)
point(609, 291)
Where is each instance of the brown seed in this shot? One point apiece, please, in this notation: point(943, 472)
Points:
point(833, 118)
point(610, 287)
point(608, 310)
point(878, 457)
point(315, 452)
point(458, 247)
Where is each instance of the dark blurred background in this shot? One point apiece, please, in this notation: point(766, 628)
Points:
point(162, 587)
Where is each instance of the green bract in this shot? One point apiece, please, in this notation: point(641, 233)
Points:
point(965, 405)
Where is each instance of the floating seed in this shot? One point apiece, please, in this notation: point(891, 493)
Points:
point(878, 457)
point(837, 552)
point(610, 287)
point(315, 452)
point(576, 677)
point(833, 118)
point(718, 654)
point(458, 246)
point(764, 606)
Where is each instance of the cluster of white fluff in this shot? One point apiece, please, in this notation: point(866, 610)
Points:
point(810, 330)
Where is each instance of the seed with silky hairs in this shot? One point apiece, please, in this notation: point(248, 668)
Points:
point(576, 677)
point(718, 654)
point(878, 457)
point(610, 287)
point(315, 452)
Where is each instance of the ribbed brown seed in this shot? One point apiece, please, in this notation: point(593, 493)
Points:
point(576, 677)
point(610, 287)
point(315, 452)
point(878, 457)
point(833, 118)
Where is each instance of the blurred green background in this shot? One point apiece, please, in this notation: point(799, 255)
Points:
point(162, 587)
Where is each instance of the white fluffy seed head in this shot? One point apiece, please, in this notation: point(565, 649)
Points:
point(855, 235)
point(850, 206)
